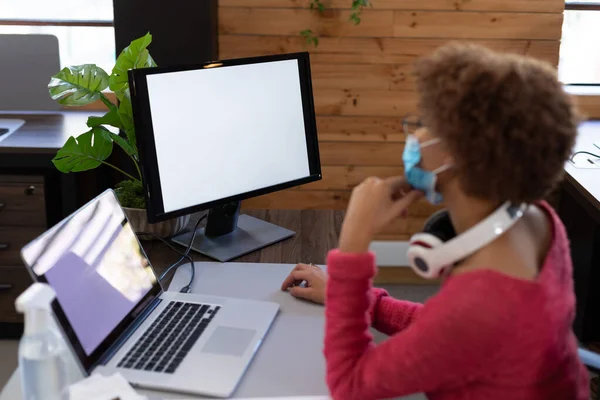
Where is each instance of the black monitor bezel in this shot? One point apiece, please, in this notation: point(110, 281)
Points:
point(89, 362)
point(146, 143)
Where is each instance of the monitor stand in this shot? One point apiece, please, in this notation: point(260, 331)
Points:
point(229, 235)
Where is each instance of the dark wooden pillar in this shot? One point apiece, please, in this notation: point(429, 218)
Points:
point(184, 31)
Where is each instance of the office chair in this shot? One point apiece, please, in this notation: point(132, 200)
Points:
point(27, 63)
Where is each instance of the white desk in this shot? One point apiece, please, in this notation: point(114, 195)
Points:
point(290, 361)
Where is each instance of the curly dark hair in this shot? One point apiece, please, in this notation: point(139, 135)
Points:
point(504, 118)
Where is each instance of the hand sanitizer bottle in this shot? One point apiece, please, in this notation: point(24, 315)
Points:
point(42, 360)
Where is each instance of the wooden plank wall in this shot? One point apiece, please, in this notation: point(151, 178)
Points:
point(589, 105)
point(361, 74)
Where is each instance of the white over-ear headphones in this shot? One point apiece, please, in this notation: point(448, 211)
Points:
point(437, 248)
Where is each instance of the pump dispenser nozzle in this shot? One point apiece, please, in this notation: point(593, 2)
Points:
point(35, 303)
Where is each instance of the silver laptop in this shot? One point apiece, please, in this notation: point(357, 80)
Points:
point(117, 317)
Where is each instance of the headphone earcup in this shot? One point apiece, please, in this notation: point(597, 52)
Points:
point(419, 247)
point(440, 226)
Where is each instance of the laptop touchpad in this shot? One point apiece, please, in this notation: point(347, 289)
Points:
point(229, 341)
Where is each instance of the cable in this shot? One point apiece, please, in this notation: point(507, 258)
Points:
point(584, 152)
point(184, 255)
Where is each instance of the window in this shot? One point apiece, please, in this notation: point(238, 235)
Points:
point(580, 47)
point(83, 27)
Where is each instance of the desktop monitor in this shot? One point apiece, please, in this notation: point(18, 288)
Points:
point(212, 135)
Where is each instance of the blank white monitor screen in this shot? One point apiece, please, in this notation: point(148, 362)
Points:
point(220, 132)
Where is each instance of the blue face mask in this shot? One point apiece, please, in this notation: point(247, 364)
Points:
point(418, 177)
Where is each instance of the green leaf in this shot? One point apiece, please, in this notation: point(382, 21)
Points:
point(111, 118)
point(78, 85)
point(126, 115)
point(85, 152)
point(133, 56)
point(317, 5)
point(359, 4)
point(124, 144)
point(310, 37)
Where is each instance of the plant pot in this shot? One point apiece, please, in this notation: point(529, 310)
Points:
point(139, 222)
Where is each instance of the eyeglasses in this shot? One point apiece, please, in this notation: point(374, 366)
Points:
point(411, 124)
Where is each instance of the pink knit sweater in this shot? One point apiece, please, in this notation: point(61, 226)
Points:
point(485, 335)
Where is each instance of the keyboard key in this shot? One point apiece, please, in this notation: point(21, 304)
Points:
point(149, 366)
point(179, 315)
point(177, 345)
point(191, 340)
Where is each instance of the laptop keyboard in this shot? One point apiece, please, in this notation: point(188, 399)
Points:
point(170, 337)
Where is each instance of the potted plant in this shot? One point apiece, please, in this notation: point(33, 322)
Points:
point(84, 84)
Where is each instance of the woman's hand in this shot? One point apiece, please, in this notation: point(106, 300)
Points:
point(373, 205)
point(313, 290)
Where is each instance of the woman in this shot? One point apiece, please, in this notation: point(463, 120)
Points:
point(496, 128)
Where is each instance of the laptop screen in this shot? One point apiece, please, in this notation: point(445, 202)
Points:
point(100, 273)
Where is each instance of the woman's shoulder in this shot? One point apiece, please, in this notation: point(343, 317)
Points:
point(524, 252)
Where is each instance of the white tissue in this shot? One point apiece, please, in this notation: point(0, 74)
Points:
point(98, 387)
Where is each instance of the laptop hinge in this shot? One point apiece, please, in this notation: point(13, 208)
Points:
point(128, 332)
